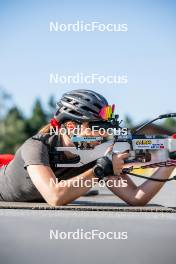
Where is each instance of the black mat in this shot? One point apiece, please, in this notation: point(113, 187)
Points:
point(87, 206)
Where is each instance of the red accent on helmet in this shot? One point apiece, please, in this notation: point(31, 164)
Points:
point(54, 123)
point(174, 136)
point(5, 159)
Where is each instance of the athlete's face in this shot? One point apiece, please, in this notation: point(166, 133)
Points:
point(86, 131)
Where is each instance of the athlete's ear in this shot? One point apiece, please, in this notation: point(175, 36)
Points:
point(70, 125)
point(85, 124)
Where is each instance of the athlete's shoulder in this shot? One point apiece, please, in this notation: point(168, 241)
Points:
point(33, 143)
point(34, 151)
point(47, 139)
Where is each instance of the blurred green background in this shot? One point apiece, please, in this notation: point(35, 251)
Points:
point(15, 127)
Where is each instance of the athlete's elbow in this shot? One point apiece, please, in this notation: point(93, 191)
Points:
point(142, 201)
point(56, 202)
point(138, 202)
point(57, 199)
point(139, 198)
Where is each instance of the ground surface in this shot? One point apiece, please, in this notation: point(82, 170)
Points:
point(25, 231)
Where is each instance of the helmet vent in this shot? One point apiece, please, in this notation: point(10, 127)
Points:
point(88, 109)
point(97, 105)
point(75, 113)
point(75, 103)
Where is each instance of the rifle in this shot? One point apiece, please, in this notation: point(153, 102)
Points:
point(141, 148)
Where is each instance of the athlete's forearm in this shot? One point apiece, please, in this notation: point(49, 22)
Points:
point(73, 188)
point(147, 190)
point(140, 195)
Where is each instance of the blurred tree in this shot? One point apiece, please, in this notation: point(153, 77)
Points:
point(38, 118)
point(169, 123)
point(15, 129)
point(5, 102)
point(52, 106)
point(13, 133)
point(128, 122)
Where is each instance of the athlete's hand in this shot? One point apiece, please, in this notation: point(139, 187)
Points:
point(118, 162)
